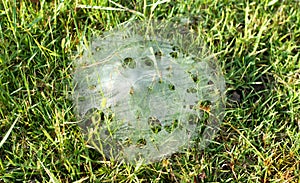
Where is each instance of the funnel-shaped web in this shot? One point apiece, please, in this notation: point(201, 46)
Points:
point(144, 91)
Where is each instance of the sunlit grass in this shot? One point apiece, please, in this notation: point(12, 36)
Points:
point(257, 45)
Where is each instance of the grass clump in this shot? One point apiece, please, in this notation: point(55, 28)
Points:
point(257, 45)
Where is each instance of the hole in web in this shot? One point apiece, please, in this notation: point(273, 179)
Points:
point(127, 141)
point(172, 127)
point(194, 77)
point(154, 124)
point(210, 82)
point(92, 87)
point(169, 68)
point(98, 48)
point(174, 54)
point(141, 142)
point(204, 105)
point(171, 87)
point(158, 55)
point(131, 91)
point(128, 63)
point(191, 90)
point(148, 62)
point(175, 48)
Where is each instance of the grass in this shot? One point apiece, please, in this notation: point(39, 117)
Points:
point(257, 44)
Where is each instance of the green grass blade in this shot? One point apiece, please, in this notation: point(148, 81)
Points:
point(9, 131)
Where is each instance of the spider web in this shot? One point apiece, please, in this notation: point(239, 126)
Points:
point(144, 91)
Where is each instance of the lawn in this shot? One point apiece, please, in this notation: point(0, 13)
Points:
point(257, 45)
